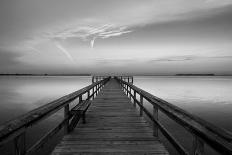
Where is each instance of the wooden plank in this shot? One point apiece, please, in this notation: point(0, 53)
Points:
point(113, 126)
point(216, 137)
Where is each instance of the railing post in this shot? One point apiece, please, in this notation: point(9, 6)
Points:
point(97, 88)
point(80, 98)
point(93, 92)
point(20, 144)
point(127, 90)
point(198, 146)
point(88, 95)
point(141, 102)
point(134, 98)
point(130, 93)
point(66, 115)
point(155, 115)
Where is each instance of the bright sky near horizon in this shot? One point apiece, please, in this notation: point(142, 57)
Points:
point(123, 36)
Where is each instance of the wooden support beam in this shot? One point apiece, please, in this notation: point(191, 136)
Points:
point(80, 98)
point(155, 115)
point(66, 115)
point(88, 95)
point(141, 102)
point(127, 90)
point(20, 144)
point(134, 98)
point(198, 146)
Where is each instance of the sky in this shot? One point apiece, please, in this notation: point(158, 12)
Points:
point(156, 37)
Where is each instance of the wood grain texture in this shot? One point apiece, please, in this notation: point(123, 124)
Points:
point(113, 126)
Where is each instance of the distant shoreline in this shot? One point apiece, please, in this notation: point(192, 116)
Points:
point(112, 75)
point(45, 74)
point(195, 75)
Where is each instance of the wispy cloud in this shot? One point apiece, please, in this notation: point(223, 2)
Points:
point(187, 58)
point(89, 33)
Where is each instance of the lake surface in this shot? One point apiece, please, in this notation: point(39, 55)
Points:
point(207, 97)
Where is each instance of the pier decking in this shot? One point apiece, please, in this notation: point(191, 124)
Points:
point(113, 126)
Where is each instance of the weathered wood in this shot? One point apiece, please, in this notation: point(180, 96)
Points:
point(155, 116)
point(219, 139)
point(134, 98)
point(40, 143)
point(167, 134)
point(88, 95)
point(114, 127)
point(80, 110)
point(15, 129)
point(141, 102)
point(198, 146)
point(20, 144)
point(66, 115)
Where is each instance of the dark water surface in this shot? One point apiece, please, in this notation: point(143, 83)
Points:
point(207, 97)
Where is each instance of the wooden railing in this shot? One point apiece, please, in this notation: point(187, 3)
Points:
point(203, 131)
point(98, 78)
point(16, 129)
point(129, 79)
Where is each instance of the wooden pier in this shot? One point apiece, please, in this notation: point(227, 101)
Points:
point(113, 126)
point(102, 119)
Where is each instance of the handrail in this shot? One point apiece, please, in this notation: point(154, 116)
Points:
point(15, 128)
point(219, 139)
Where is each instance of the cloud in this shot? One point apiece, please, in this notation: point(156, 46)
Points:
point(88, 33)
point(187, 58)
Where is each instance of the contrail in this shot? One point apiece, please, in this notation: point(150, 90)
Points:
point(92, 42)
point(62, 49)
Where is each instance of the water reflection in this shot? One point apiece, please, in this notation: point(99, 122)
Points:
point(21, 94)
point(207, 97)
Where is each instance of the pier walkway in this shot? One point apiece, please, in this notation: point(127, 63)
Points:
point(101, 118)
point(113, 126)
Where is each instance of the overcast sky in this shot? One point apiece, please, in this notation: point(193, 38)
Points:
point(116, 36)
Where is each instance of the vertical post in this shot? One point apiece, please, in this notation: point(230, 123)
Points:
point(134, 98)
point(92, 79)
point(130, 93)
point(93, 92)
point(88, 95)
point(66, 115)
point(97, 88)
point(20, 144)
point(198, 146)
point(155, 115)
point(132, 80)
point(80, 98)
point(141, 102)
point(127, 90)
point(128, 79)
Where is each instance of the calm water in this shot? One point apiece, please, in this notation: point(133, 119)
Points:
point(207, 97)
